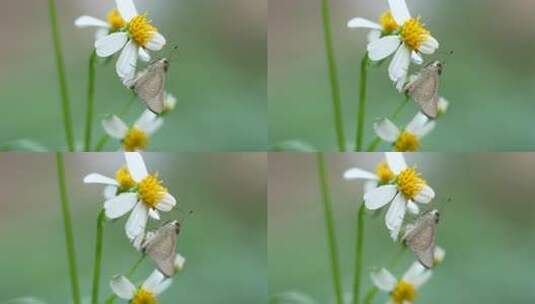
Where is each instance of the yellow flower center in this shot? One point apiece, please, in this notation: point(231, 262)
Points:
point(123, 177)
point(134, 140)
point(388, 23)
point(141, 30)
point(115, 20)
point(413, 33)
point(410, 183)
point(143, 296)
point(151, 190)
point(384, 173)
point(403, 292)
point(407, 142)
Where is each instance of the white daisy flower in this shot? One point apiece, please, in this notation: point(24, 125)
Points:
point(137, 137)
point(408, 187)
point(404, 290)
point(407, 140)
point(154, 285)
point(402, 35)
point(383, 175)
point(137, 35)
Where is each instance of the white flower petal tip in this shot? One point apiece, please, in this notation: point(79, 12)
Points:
point(136, 165)
point(127, 9)
point(154, 214)
point(400, 11)
point(413, 208)
point(439, 256)
point(153, 280)
point(95, 178)
point(386, 130)
point(429, 46)
point(115, 127)
point(88, 21)
point(149, 122)
point(137, 221)
point(384, 280)
point(167, 203)
point(357, 173)
point(395, 213)
point(382, 48)
point(417, 275)
point(363, 23)
point(122, 287)
point(399, 66)
point(120, 205)
point(379, 197)
point(110, 44)
point(425, 195)
point(396, 161)
point(180, 261)
point(443, 105)
point(416, 58)
point(126, 64)
point(156, 43)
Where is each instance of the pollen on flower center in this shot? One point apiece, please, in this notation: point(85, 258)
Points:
point(384, 173)
point(407, 142)
point(144, 296)
point(410, 183)
point(134, 140)
point(413, 33)
point(403, 292)
point(141, 30)
point(151, 190)
point(123, 177)
point(115, 20)
point(388, 23)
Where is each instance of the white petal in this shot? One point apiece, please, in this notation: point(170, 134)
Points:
point(395, 214)
point(429, 46)
point(417, 275)
point(127, 9)
point(412, 207)
point(373, 35)
point(357, 173)
point(101, 33)
point(137, 221)
point(382, 48)
point(153, 280)
point(417, 123)
point(126, 64)
point(162, 286)
point(110, 192)
point(144, 55)
point(167, 203)
point(370, 185)
point(425, 195)
point(363, 23)
point(85, 21)
point(148, 122)
point(120, 205)
point(426, 129)
point(180, 261)
point(443, 105)
point(136, 166)
point(122, 287)
point(399, 10)
point(156, 43)
point(384, 280)
point(416, 58)
point(386, 130)
point(399, 66)
point(439, 255)
point(111, 44)
point(400, 83)
point(154, 214)
point(95, 178)
point(115, 127)
point(395, 162)
point(379, 197)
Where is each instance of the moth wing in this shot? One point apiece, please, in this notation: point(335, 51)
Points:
point(162, 249)
point(156, 104)
point(421, 241)
point(424, 90)
point(149, 86)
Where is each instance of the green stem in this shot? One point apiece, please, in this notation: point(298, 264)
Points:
point(359, 248)
point(329, 222)
point(90, 101)
point(361, 113)
point(372, 292)
point(104, 139)
point(60, 66)
point(98, 256)
point(130, 272)
point(375, 143)
point(67, 225)
point(335, 90)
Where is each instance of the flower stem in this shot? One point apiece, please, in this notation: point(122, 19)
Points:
point(98, 256)
point(329, 221)
point(90, 101)
point(375, 143)
point(130, 272)
point(60, 66)
point(359, 248)
point(104, 139)
point(361, 113)
point(67, 225)
point(372, 292)
point(335, 90)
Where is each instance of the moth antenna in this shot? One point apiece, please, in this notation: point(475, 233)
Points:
point(172, 53)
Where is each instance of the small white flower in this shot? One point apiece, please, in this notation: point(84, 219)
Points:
point(135, 37)
point(137, 137)
point(180, 261)
point(407, 140)
point(154, 285)
point(169, 103)
point(383, 175)
point(439, 255)
point(403, 291)
point(443, 105)
point(409, 187)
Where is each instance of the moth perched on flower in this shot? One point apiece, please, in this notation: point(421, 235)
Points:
point(137, 137)
point(407, 140)
point(403, 291)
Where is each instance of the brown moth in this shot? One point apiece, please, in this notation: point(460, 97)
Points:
point(161, 247)
point(423, 89)
point(420, 237)
point(149, 85)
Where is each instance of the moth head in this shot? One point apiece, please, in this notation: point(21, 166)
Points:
point(436, 66)
point(177, 226)
point(165, 64)
point(435, 214)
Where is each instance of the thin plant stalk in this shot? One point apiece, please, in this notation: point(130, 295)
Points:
point(104, 139)
point(329, 222)
point(98, 256)
point(67, 225)
point(60, 67)
point(375, 143)
point(359, 253)
point(333, 78)
point(130, 272)
point(372, 292)
point(361, 113)
point(90, 102)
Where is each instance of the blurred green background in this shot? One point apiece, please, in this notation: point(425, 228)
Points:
point(487, 228)
point(488, 80)
point(224, 240)
point(218, 75)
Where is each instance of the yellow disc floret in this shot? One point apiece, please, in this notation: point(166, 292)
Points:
point(115, 21)
point(151, 190)
point(384, 173)
point(403, 292)
point(407, 142)
point(123, 177)
point(410, 183)
point(388, 23)
point(144, 296)
point(135, 140)
point(141, 30)
point(413, 33)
